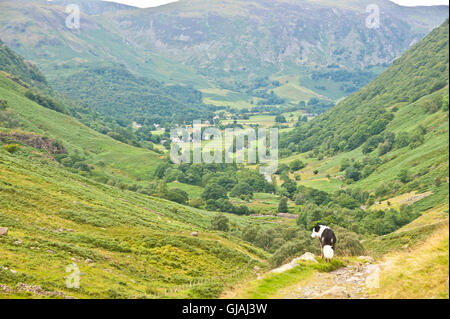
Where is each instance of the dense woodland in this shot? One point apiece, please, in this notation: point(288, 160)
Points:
point(115, 92)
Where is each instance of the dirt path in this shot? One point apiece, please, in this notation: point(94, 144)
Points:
point(350, 282)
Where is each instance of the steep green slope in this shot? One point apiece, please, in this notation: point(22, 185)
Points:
point(107, 158)
point(424, 162)
point(421, 71)
point(14, 64)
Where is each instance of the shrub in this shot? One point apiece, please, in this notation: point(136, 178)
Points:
point(11, 148)
point(214, 192)
point(402, 140)
point(404, 176)
point(3, 104)
point(242, 188)
point(445, 102)
point(384, 148)
point(196, 202)
point(285, 252)
point(45, 101)
point(176, 197)
point(282, 206)
point(206, 290)
point(352, 173)
point(347, 243)
point(220, 222)
point(296, 166)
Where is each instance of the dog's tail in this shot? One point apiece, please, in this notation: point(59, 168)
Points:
point(328, 252)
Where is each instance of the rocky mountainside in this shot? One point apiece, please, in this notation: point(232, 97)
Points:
point(229, 39)
point(327, 46)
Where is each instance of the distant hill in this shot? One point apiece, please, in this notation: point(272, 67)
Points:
point(95, 7)
point(220, 46)
point(234, 40)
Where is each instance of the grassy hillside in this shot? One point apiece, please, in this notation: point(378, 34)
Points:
point(419, 72)
point(125, 244)
point(374, 168)
point(115, 92)
point(114, 157)
point(415, 259)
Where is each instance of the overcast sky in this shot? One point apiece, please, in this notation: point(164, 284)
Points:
point(143, 3)
point(420, 2)
point(155, 3)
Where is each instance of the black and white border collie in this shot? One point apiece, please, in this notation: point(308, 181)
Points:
point(327, 240)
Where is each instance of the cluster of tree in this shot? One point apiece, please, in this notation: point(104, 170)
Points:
point(280, 119)
point(389, 141)
point(156, 189)
point(76, 162)
point(303, 195)
point(116, 92)
point(46, 101)
point(377, 222)
point(286, 242)
point(232, 177)
point(270, 98)
point(294, 166)
point(315, 105)
point(352, 80)
point(220, 181)
point(220, 222)
point(356, 170)
point(251, 86)
point(224, 205)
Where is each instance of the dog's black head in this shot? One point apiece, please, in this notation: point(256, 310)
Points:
point(315, 232)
